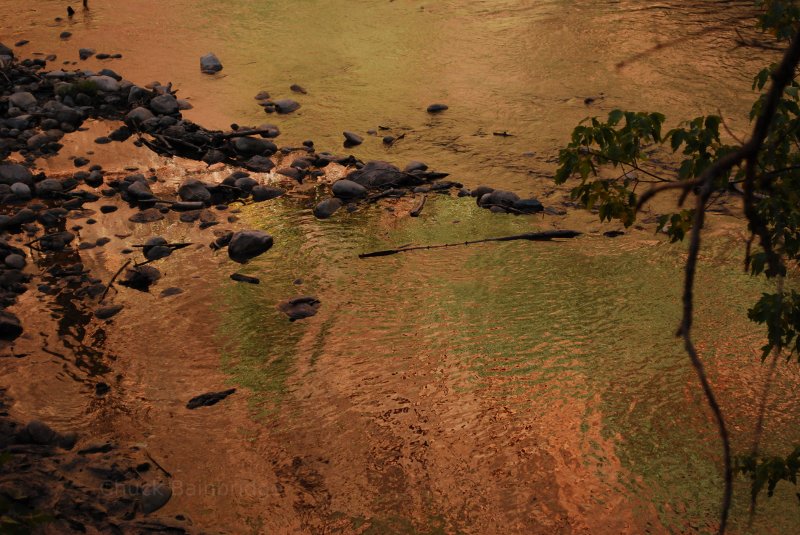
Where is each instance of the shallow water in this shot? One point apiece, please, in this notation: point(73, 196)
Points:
point(513, 387)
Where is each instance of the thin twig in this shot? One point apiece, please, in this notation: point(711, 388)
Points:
point(111, 282)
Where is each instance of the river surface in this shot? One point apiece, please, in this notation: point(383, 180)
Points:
point(501, 388)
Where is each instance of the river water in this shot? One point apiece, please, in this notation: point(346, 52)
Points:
point(505, 388)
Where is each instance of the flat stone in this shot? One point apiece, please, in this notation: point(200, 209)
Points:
point(107, 312)
point(247, 244)
point(286, 105)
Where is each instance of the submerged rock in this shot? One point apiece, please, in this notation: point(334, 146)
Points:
point(248, 244)
point(347, 189)
point(286, 105)
point(209, 398)
point(300, 307)
point(327, 208)
point(377, 174)
point(107, 312)
point(352, 139)
point(265, 193)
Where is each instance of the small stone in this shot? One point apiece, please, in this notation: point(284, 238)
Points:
point(286, 105)
point(247, 244)
point(154, 497)
point(106, 312)
point(436, 108)
point(298, 89)
point(209, 398)
point(300, 307)
point(210, 64)
point(244, 278)
point(352, 139)
point(15, 261)
point(86, 53)
point(327, 208)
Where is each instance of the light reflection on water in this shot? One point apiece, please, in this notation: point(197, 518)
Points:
point(535, 387)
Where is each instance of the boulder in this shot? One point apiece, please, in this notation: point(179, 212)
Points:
point(192, 190)
point(106, 84)
point(22, 100)
point(13, 172)
point(138, 115)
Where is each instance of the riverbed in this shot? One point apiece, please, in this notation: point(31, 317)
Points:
point(498, 388)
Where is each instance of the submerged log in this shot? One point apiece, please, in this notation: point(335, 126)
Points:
point(528, 236)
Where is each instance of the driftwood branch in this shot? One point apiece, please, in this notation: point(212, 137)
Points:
point(418, 208)
point(528, 236)
point(111, 282)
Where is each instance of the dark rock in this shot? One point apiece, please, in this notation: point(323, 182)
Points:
point(12, 173)
point(415, 166)
point(10, 326)
point(251, 146)
point(86, 53)
point(300, 307)
point(498, 198)
point(352, 139)
point(210, 64)
point(146, 216)
point(108, 208)
point(259, 164)
point(156, 248)
point(121, 134)
point(154, 497)
point(528, 206)
point(247, 244)
point(40, 433)
point(613, 233)
point(244, 278)
point(192, 190)
point(15, 261)
point(187, 206)
point(265, 193)
point(208, 399)
point(106, 312)
point(347, 189)
point(388, 140)
point(480, 191)
point(298, 89)
point(21, 191)
point(286, 105)
point(102, 140)
point(140, 191)
point(164, 104)
point(172, 290)
point(378, 174)
point(141, 278)
point(436, 108)
point(327, 208)
point(22, 100)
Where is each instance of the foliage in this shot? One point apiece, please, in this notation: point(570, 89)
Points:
point(770, 471)
point(609, 158)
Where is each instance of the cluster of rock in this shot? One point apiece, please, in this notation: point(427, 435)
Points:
point(72, 486)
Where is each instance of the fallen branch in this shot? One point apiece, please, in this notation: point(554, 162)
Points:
point(111, 282)
point(528, 236)
point(418, 208)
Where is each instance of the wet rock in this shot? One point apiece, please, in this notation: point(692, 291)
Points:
point(150, 215)
point(209, 398)
point(106, 84)
point(286, 105)
point(154, 497)
point(156, 248)
point(251, 146)
point(377, 174)
point(138, 115)
point(140, 191)
point(248, 244)
point(10, 326)
point(107, 312)
point(327, 208)
point(86, 53)
point(415, 166)
point(347, 189)
point(40, 433)
point(437, 108)
point(388, 140)
point(187, 206)
point(265, 193)
point(269, 130)
point(56, 242)
point(141, 278)
point(102, 140)
point(102, 241)
point(15, 261)
point(22, 100)
point(480, 191)
point(164, 104)
point(528, 206)
point(108, 208)
point(210, 64)
point(498, 198)
point(300, 307)
point(12, 173)
point(172, 290)
point(21, 191)
point(246, 184)
point(259, 164)
point(192, 190)
point(352, 139)
point(238, 277)
point(123, 132)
